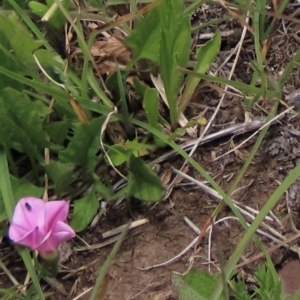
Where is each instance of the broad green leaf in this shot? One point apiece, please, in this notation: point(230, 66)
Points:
point(37, 8)
point(10, 62)
point(21, 127)
point(102, 189)
point(62, 175)
point(57, 19)
point(40, 108)
point(143, 184)
point(20, 40)
point(20, 188)
point(169, 21)
point(138, 148)
point(84, 145)
point(182, 42)
point(84, 211)
point(52, 63)
point(118, 154)
point(24, 116)
point(205, 56)
point(195, 285)
point(146, 46)
point(57, 131)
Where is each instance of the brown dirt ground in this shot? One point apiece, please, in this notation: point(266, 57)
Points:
point(166, 234)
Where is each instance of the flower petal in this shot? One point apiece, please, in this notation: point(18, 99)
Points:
point(56, 211)
point(29, 213)
point(31, 239)
point(62, 232)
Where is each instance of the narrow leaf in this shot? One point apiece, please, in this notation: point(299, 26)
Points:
point(150, 105)
point(205, 56)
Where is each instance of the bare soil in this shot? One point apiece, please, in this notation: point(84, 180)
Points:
point(166, 235)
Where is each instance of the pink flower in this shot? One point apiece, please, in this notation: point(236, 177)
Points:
point(40, 225)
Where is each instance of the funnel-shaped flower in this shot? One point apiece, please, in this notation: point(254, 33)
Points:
point(40, 225)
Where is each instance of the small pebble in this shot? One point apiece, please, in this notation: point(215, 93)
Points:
point(290, 276)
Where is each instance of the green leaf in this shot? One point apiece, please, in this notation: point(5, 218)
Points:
point(40, 108)
point(182, 42)
point(21, 111)
point(205, 56)
point(84, 145)
point(145, 46)
point(246, 88)
point(84, 211)
point(174, 50)
point(143, 184)
point(57, 19)
point(9, 62)
point(52, 62)
point(207, 53)
point(102, 189)
point(62, 175)
point(138, 148)
point(37, 8)
point(7, 6)
point(118, 154)
point(169, 21)
point(140, 87)
point(150, 105)
point(20, 40)
point(20, 126)
point(58, 131)
point(20, 188)
point(195, 285)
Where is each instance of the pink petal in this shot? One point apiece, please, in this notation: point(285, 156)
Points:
point(29, 213)
point(63, 232)
point(56, 211)
point(19, 235)
point(40, 225)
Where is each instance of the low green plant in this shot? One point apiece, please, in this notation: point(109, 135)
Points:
point(45, 105)
point(172, 32)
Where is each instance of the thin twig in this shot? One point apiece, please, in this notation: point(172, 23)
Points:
point(255, 133)
point(119, 229)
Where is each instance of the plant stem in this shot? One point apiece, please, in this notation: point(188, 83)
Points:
point(5, 186)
